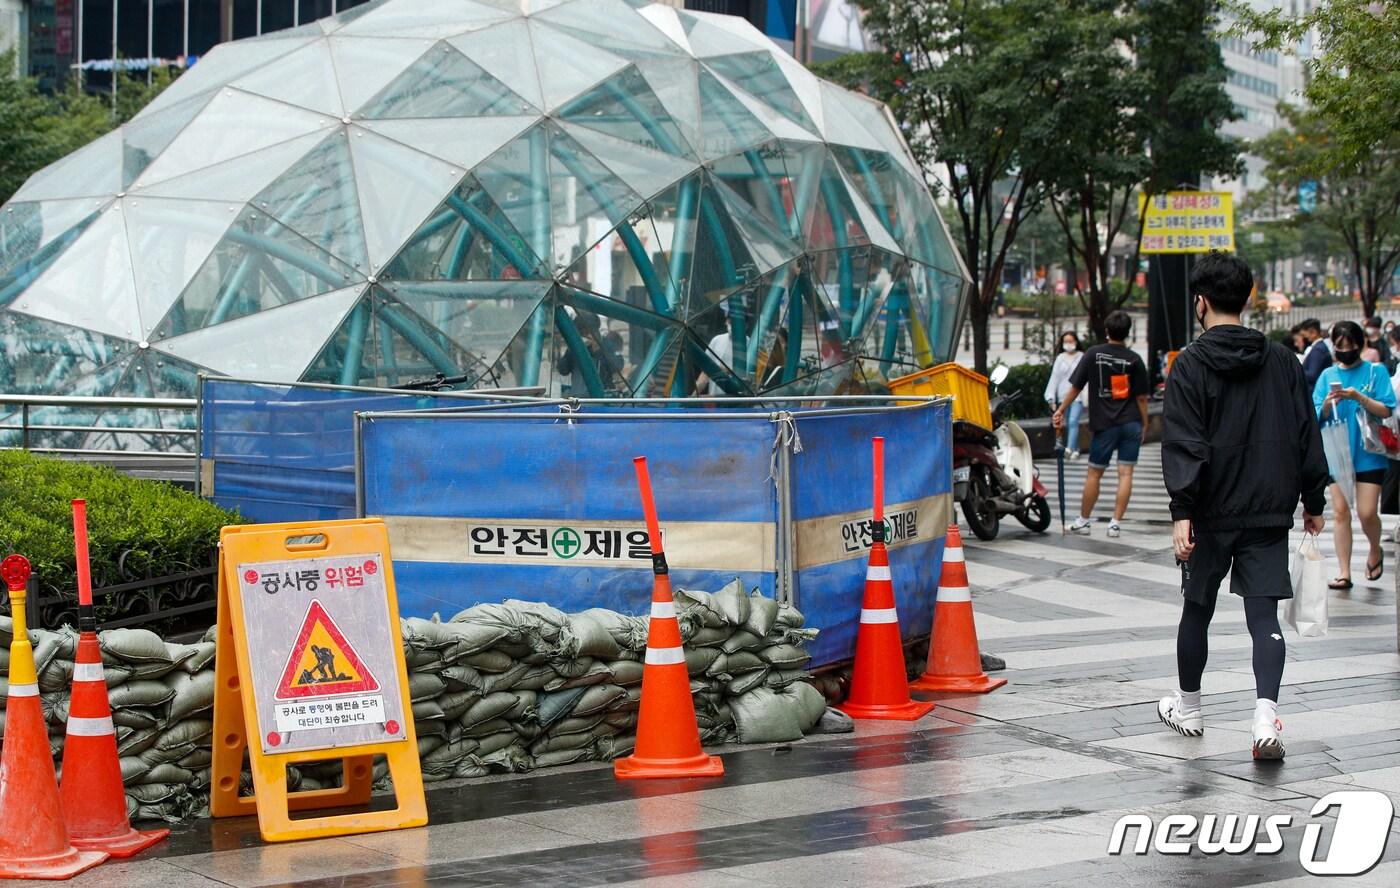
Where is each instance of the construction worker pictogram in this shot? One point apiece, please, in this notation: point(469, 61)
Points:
point(322, 662)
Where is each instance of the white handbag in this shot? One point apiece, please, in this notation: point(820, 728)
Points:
point(1306, 611)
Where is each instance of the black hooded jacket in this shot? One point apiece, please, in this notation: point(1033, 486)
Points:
point(1240, 440)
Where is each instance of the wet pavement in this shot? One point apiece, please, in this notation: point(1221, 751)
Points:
point(1018, 788)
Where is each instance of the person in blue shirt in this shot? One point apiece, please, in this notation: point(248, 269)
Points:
point(1343, 391)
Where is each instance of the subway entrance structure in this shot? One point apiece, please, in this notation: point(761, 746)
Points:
point(593, 197)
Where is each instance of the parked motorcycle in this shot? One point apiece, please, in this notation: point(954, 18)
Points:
point(994, 473)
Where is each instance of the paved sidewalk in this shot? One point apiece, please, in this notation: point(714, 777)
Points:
point(1018, 788)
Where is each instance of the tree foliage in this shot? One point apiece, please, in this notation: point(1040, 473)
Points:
point(37, 129)
point(1010, 104)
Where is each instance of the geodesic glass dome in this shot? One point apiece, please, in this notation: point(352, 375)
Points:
point(587, 196)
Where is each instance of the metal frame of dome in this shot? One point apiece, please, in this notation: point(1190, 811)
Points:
point(595, 196)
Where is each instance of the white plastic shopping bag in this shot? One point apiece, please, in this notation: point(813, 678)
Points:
point(1306, 611)
point(1336, 444)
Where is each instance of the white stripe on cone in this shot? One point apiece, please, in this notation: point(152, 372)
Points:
point(664, 656)
point(954, 593)
point(24, 690)
point(90, 727)
point(878, 572)
point(953, 554)
point(878, 615)
point(662, 609)
point(88, 672)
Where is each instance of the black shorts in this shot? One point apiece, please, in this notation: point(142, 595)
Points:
point(1374, 476)
point(1258, 556)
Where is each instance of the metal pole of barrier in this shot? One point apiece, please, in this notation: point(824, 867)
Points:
point(787, 572)
point(199, 435)
point(359, 467)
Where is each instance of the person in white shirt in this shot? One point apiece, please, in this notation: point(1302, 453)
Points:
point(1066, 360)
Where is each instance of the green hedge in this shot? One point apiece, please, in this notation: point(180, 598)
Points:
point(160, 528)
point(1030, 380)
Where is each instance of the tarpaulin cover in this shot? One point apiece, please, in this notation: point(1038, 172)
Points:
point(286, 452)
point(481, 510)
point(831, 500)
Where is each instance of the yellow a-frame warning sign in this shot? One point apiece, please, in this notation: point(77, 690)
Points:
point(323, 663)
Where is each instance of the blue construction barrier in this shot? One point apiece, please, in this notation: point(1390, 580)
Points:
point(286, 451)
point(544, 506)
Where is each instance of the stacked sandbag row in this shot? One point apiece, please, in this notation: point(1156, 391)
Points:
point(521, 685)
point(504, 687)
point(162, 697)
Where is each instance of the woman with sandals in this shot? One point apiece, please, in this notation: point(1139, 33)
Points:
point(1346, 393)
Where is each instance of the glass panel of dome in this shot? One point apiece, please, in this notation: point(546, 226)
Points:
point(94, 170)
point(530, 357)
point(33, 235)
point(409, 347)
point(398, 188)
point(218, 66)
point(516, 180)
point(221, 131)
point(838, 278)
point(478, 316)
point(92, 287)
point(316, 199)
point(759, 74)
point(623, 106)
point(463, 141)
point(305, 78)
point(344, 18)
point(439, 18)
point(468, 237)
point(445, 83)
point(644, 171)
point(143, 139)
point(151, 374)
point(611, 25)
point(276, 344)
point(710, 35)
point(665, 20)
point(842, 126)
point(38, 356)
point(767, 246)
point(504, 52)
point(572, 65)
point(675, 83)
point(240, 178)
point(726, 126)
point(586, 200)
point(801, 187)
point(719, 344)
point(674, 214)
point(833, 222)
point(870, 222)
point(173, 238)
point(364, 65)
point(259, 264)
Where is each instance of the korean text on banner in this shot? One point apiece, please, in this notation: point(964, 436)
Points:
point(1188, 222)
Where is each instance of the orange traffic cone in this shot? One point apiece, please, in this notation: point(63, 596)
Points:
point(878, 680)
point(668, 738)
point(33, 841)
point(953, 661)
point(94, 803)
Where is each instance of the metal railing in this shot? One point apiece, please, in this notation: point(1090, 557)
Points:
point(175, 435)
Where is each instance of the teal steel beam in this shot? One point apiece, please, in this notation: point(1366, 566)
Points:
point(355, 347)
point(539, 184)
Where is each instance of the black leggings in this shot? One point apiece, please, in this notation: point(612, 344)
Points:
point(1261, 614)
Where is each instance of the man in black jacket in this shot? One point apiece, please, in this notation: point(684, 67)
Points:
point(1240, 445)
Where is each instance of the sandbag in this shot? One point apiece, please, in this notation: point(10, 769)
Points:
point(425, 686)
point(133, 646)
point(555, 758)
point(488, 661)
point(593, 638)
point(490, 707)
point(192, 693)
point(598, 698)
point(555, 705)
point(742, 640)
point(732, 603)
point(139, 694)
point(455, 703)
point(626, 672)
point(461, 678)
point(763, 614)
point(784, 656)
point(767, 716)
point(598, 673)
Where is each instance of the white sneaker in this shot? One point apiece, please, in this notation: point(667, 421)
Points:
point(1114, 530)
point(1072, 455)
point(1267, 745)
point(1187, 724)
point(1395, 534)
point(1080, 526)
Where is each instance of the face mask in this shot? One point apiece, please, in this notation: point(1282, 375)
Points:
point(1070, 348)
point(1349, 357)
point(1201, 317)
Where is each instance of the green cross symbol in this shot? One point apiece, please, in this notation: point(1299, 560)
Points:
point(889, 531)
point(565, 542)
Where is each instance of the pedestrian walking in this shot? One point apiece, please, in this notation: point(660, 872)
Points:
point(1318, 356)
point(1376, 339)
point(1240, 446)
point(1347, 394)
point(1115, 378)
point(1058, 386)
point(1390, 485)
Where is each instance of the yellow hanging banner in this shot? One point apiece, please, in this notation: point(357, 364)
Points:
point(310, 667)
point(1188, 222)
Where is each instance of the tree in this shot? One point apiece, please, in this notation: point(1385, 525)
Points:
point(978, 88)
point(37, 129)
point(1357, 198)
point(1353, 71)
point(1151, 104)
